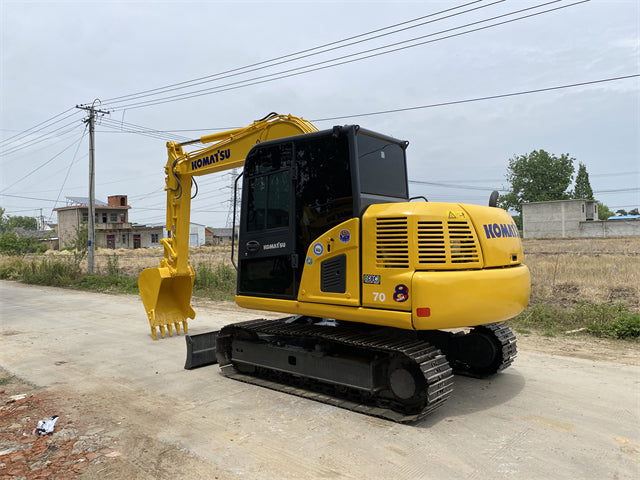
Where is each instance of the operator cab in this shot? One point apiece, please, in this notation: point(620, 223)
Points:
point(297, 188)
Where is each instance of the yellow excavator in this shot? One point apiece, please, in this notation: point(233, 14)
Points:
point(386, 296)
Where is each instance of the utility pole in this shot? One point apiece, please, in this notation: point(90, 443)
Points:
point(91, 231)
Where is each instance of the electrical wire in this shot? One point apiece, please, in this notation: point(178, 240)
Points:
point(48, 136)
point(42, 165)
point(480, 99)
point(347, 59)
point(306, 53)
point(141, 130)
point(73, 160)
point(35, 128)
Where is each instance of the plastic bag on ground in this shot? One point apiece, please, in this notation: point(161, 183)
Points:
point(46, 426)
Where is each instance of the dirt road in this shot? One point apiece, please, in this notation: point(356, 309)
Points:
point(129, 409)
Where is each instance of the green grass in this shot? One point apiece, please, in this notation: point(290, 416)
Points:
point(600, 320)
point(218, 283)
point(107, 284)
point(4, 380)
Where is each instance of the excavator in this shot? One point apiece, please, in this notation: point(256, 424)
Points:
point(385, 297)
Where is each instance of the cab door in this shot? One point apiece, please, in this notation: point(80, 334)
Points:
point(267, 261)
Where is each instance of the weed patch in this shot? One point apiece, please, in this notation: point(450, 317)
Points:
point(601, 320)
point(65, 273)
point(218, 283)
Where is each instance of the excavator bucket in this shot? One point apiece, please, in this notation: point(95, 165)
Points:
point(167, 299)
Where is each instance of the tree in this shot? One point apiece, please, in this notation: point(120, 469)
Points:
point(622, 211)
point(80, 243)
point(537, 177)
point(8, 223)
point(604, 212)
point(583, 187)
point(28, 223)
point(11, 244)
point(634, 212)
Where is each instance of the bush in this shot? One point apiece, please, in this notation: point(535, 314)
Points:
point(66, 273)
point(11, 269)
point(56, 273)
point(626, 326)
point(11, 244)
point(218, 284)
point(601, 320)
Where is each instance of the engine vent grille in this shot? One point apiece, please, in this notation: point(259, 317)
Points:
point(392, 242)
point(451, 242)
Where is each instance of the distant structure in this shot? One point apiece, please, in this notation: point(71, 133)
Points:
point(46, 237)
point(220, 236)
point(113, 229)
point(572, 219)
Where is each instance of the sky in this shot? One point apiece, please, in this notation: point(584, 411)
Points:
point(429, 68)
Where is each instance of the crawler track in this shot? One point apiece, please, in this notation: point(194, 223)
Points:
point(430, 367)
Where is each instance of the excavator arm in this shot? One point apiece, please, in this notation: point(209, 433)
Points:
point(166, 290)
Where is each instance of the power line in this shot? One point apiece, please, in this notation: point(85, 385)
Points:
point(346, 59)
point(73, 160)
point(457, 186)
point(30, 142)
point(36, 128)
point(479, 99)
point(27, 198)
point(305, 54)
point(42, 165)
point(141, 130)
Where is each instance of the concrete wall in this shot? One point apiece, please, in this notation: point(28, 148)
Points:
point(148, 234)
point(610, 229)
point(557, 219)
point(68, 222)
point(572, 219)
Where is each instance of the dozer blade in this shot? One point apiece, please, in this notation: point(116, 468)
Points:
point(201, 350)
point(166, 299)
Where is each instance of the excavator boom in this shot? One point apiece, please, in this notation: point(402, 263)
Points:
point(166, 290)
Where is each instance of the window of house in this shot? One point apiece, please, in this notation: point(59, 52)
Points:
point(154, 238)
point(113, 217)
point(124, 239)
point(85, 216)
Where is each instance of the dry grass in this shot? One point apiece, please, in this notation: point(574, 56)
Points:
point(564, 272)
point(132, 262)
point(567, 272)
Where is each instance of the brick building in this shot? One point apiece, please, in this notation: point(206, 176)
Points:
point(113, 229)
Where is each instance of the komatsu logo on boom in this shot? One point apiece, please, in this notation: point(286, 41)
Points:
point(500, 230)
point(216, 157)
